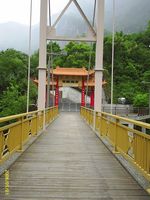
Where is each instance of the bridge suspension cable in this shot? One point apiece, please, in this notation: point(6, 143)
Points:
point(113, 54)
point(29, 57)
point(90, 56)
point(50, 63)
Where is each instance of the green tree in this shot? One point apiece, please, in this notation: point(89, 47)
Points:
point(34, 64)
point(131, 63)
point(13, 67)
point(57, 54)
point(13, 82)
point(141, 100)
point(146, 76)
point(78, 55)
point(12, 102)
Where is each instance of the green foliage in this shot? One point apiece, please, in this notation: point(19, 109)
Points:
point(13, 82)
point(78, 55)
point(146, 76)
point(141, 100)
point(131, 64)
point(12, 102)
point(55, 47)
point(57, 56)
point(13, 67)
point(74, 54)
point(131, 69)
point(126, 89)
point(34, 64)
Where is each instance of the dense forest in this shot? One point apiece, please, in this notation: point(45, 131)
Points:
point(131, 69)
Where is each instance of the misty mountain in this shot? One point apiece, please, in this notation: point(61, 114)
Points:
point(131, 16)
point(14, 35)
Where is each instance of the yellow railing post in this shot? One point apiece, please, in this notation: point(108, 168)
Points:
point(101, 125)
point(116, 136)
point(43, 119)
point(96, 122)
point(52, 114)
point(49, 115)
point(21, 135)
point(37, 123)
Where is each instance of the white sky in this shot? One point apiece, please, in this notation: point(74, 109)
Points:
point(18, 10)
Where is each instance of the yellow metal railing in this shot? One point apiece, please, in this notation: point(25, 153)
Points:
point(16, 130)
point(125, 135)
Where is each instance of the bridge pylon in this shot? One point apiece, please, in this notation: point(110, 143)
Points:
point(95, 34)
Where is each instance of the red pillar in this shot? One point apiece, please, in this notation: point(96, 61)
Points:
point(92, 98)
point(83, 93)
point(57, 92)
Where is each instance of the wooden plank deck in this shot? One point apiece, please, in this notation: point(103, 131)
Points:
point(69, 162)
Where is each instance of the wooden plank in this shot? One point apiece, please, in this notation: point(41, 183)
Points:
point(69, 162)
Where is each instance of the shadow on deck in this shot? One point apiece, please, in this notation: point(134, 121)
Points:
point(69, 161)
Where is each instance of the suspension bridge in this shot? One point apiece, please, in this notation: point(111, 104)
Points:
point(47, 154)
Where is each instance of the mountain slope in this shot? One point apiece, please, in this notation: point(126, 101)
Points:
point(131, 16)
point(14, 35)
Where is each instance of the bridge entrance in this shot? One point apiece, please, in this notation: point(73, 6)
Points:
point(77, 78)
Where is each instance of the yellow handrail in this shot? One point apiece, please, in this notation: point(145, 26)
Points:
point(125, 135)
point(16, 130)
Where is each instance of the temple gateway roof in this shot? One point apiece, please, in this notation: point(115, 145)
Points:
point(72, 71)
